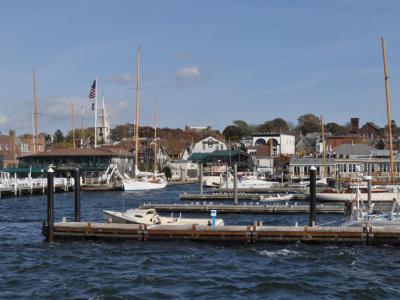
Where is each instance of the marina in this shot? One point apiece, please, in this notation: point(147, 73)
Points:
point(200, 150)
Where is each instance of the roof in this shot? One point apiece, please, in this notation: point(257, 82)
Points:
point(295, 160)
point(353, 149)
point(82, 152)
point(200, 156)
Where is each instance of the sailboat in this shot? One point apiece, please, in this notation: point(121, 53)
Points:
point(363, 216)
point(143, 180)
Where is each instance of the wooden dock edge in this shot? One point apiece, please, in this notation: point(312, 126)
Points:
point(235, 234)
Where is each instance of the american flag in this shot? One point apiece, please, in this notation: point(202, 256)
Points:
point(92, 93)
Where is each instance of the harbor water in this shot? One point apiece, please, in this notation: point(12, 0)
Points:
point(31, 268)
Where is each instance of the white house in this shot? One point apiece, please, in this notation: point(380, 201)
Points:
point(279, 144)
point(208, 145)
point(183, 170)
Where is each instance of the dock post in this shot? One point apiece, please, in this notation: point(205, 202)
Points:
point(235, 196)
point(50, 205)
point(313, 195)
point(77, 190)
point(369, 179)
point(227, 175)
point(201, 179)
point(15, 185)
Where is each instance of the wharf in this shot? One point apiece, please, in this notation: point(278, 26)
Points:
point(230, 196)
point(272, 190)
point(240, 234)
point(19, 190)
point(242, 209)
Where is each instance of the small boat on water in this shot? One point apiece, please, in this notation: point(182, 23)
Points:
point(377, 195)
point(145, 182)
point(277, 197)
point(248, 180)
point(150, 217)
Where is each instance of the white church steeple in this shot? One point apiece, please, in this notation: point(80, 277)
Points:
point(103, 125)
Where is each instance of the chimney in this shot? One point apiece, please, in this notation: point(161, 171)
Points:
point(355, 125)
point(13, 142)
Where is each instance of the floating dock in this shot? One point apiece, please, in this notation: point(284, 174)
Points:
point(239, 234)
point(242, 209)
point(273, 190)
point(230, 196)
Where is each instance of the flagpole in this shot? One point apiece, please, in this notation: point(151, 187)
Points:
point(95, 115)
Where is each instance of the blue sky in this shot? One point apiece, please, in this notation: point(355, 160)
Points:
point(203, 62)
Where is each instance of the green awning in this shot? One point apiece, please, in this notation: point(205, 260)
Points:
point(32, 170)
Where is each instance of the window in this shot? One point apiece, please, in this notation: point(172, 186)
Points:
point(344, 167)
point(305, 170)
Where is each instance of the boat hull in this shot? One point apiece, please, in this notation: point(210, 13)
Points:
point(341, 197)
point(137, 185)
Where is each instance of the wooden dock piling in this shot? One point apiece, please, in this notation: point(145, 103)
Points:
point(50, 205)
point(77, 192)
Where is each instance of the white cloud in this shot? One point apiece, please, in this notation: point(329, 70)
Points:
point(60, 107)
point(188, 73)
point(121, 78)
point(3, 119)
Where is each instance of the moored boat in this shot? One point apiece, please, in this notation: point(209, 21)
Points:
point(150, 217)
point(377, 195)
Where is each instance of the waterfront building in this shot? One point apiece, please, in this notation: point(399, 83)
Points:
point(277, 143)
point(91, 162)
point(344, 161)
point(183, 170)
point(230, 157)
point(12, 147)
point(208, 145)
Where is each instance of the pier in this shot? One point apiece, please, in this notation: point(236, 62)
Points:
point(23, 186)
point(231, 196)
point(244, 208)
point(240, 234)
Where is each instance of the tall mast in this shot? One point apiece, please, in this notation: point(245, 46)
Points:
point(73, 125)
point(323, 147)
point(155, 142)
point(137, 112)
point(82, 131)
point(95, 114)
point(36, 123)
point(385, 69)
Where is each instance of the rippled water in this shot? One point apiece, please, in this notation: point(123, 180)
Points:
point(30, 268)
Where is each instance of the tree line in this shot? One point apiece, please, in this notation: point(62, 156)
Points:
point(305, 124)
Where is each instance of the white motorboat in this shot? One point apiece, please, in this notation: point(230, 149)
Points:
point(277, 197)
point(248, 180)
point(211, 181)
point(377, 195)
point(150, 217)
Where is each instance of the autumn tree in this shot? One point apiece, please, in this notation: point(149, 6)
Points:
point(309, 123)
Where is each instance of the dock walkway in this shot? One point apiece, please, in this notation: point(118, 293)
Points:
point(242, 208)
point(240, 234)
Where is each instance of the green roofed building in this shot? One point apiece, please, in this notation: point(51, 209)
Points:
point(91, 162)
point(230, 157)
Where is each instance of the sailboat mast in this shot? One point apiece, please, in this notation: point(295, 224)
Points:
point(82, 131)
point(323, 147)
point(385, 69)
point(137, 111)
point(36, 123)
point(73, 125)
point(155, 143)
